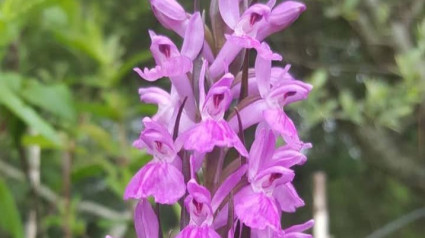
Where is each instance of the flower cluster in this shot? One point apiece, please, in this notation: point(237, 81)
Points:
point(200, 159)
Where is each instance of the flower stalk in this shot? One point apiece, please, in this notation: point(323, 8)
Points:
point(245, 192)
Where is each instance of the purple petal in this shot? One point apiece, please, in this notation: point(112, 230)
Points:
point(301, 227)
point(267, 233)
point(150, 74)
point(262, 74)
point(229, 10)
point(192, 231)
point(289, 91)
point(145, 220)
point(184, 89)
point(170, 14)
point(262, 150)
point(251, 20)
point(170, 8)
point(198, 192)
point(267, 179)
point(249, 118)
point(256, 210)
point(194, 37)
point(226, 55)
point(198, 204)
point(158, 140)
point(162, 48)
point(265, 52)
point(227, 186)
point(281, 17)
point(244, 41)
point(287, 197)
point(280, 122)
point(287, 157)
point(286, 13)
point(176, 66)
point(154, 95)
point(160, 180)
point(209, 133)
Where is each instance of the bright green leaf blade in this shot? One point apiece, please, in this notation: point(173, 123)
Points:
point(10, 221)
point(55, 99)
point(12, 102)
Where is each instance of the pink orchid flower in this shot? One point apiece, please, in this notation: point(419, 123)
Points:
point(162, 177)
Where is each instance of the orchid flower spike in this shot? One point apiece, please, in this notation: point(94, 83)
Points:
point(198, 131)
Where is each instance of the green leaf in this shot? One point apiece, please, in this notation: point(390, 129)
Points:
point(12, 102)
point(55, 99)
point(10, 220)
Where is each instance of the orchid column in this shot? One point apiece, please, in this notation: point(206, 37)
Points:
point(199, 156)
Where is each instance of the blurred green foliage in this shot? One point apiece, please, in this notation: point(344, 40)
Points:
point(66, 88)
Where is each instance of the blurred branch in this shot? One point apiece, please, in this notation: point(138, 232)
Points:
point(385, 153)
point(50, 196)
point(320, 209)
point(66, 184)
point(398, 224)
point(34, 153)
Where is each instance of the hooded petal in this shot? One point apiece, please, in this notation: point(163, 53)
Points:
point(170, 8)
point(287, 197)
point(251, 20)
point(267, 179)
point(207, 134)
point(194, 37)
point(198, 204)
point(145, 220)
point(161, 180)
point(162, 48)
point(170, 14)
point(229, 10)
point(289, 91)
point(157, 140)
point(192, 231)
point(281, 17)
point(286, 13)
point(256, 210)
point(218, 98)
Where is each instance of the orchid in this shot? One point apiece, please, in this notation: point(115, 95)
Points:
point(200, 124)
point(163, 172)
point(255, 24)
